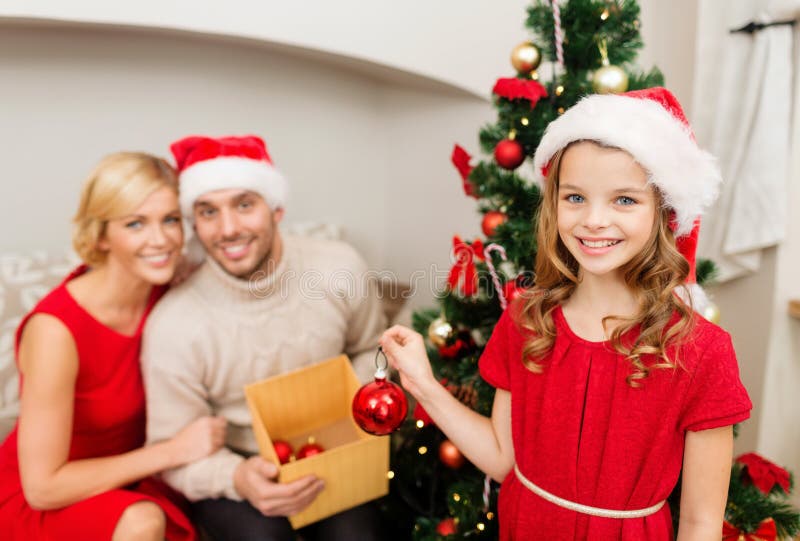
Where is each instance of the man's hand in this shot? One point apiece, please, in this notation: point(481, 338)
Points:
point(254, 480)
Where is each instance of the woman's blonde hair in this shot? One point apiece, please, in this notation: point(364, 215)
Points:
point(653, 275)
point(118, 185)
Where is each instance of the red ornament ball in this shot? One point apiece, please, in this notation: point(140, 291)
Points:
point(511, 290)
point(283, 450)
point(491, 220)
point(509, 154)
point(309, 449)
point(450, 455)
point(447, 527)
point(380, 407)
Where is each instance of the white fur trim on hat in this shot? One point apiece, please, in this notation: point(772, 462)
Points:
point(687, 176)
point(231, 172)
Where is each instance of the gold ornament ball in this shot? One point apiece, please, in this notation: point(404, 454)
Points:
point(610, 80)
point(712, 313)
point(439, 332)
point(525, 57)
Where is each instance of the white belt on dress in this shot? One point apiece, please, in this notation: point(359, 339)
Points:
point(586, 509)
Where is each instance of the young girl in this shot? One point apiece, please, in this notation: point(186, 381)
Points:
point(608, 384)
point(74, 468)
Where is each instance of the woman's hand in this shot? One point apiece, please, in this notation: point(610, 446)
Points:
point(199, 439)
point(406, 352)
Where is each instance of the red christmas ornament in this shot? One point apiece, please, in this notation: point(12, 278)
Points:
point(283, 450)
point(309, 449)
point(491, 220)
point(450, 455)
point(511, 290)
point(380, 407)
point(509, 154)
point(447, 527)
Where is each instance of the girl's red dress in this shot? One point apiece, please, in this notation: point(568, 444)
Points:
point(109, 419)
point(582, 433)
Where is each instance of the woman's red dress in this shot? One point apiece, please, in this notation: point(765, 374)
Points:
point(108, 419)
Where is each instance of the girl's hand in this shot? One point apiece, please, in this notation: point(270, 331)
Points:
point(406, 352)
point(199, 439)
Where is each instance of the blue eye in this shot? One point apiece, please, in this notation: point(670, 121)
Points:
point(135, 224)
point(172, 220)
point(625, 200)
point(574, 198)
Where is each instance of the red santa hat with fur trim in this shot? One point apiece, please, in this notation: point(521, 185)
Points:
point(206, 164)
point(650, 125)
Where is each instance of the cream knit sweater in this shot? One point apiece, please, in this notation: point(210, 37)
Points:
point(213, 334)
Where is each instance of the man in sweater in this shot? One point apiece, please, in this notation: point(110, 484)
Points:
point(261, 304)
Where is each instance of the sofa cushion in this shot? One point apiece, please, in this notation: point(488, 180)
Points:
point(24, 279)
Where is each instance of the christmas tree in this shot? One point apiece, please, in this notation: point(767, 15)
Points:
point(591, 45)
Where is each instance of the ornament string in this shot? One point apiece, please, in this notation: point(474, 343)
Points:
point(559, 33)
point(495, 278)
point(380, 371)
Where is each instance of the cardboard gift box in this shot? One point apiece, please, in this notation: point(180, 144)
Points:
point(315, 401)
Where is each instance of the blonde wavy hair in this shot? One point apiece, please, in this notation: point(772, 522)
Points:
point(654, 275)
point(118, 185)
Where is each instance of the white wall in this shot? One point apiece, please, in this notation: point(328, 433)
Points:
point(361, 146)
point(455, 41)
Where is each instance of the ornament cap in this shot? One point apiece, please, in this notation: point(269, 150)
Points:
point(380, 371)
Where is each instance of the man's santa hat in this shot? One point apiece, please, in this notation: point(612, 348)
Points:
point(651, 126)
point(206, 164)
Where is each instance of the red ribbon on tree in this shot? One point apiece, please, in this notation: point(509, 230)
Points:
point(464, 275)
point(767, 531)
point(763, 473)
point(512, 88)
point(461, 159)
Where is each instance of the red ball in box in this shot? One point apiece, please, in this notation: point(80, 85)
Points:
point(283, 450)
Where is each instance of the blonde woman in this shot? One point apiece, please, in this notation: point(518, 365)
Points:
point(74, 466)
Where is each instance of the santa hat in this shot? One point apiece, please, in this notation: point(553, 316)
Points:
point(650, 125)
point(206, 164)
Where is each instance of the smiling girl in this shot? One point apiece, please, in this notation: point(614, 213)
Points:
point(608, 383)
point(74, 467)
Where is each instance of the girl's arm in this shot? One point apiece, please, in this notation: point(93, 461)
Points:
point(485, 442)
point(48, 364)
point(704, 490)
